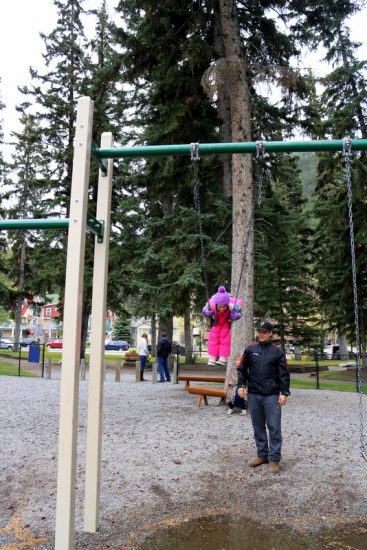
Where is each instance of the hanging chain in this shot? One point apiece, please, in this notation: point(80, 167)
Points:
point(260, 154)
point(347, 168)
point(194, 149)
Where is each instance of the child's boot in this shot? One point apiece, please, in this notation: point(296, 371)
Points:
point(222, 361)
point(211, 361)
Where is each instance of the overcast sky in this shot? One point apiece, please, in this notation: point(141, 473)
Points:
point(21, 21)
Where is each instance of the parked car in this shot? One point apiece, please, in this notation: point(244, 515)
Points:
point(117, 345)
point(56, 343)
point(24, 342)
point(178, 348)
point(6, 344)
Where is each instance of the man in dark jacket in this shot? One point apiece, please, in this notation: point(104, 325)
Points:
point(164, 348)
point(263, 371)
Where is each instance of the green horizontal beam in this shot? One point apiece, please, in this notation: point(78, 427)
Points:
point(10, 225)
point(223, 148)
point(95, 226)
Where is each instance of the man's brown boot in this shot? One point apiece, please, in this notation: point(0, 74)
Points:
point(258, 460)
point(274, 467)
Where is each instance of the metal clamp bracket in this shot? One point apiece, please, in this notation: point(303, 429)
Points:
point(260, 149)
point(96, 227)
point(347, 147)
point(194, 150)
point(103, 163)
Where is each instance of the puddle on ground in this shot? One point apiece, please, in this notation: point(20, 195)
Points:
point(222, 533)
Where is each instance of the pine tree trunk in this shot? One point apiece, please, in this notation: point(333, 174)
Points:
point(343, 345)
point(242, 331)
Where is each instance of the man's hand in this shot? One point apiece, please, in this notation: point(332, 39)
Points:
point(241, 392)
point(282, 400)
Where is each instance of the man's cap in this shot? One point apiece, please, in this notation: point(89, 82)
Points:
point(266, 326)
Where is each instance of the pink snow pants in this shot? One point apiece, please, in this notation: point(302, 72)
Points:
point(219, 342)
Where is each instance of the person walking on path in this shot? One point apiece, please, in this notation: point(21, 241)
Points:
point(143, 354)
point(263, 371)
point(164, 348)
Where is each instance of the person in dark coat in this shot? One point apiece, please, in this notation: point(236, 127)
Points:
point(263, 371)
point(164, 348)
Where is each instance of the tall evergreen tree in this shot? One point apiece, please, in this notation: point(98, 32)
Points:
point(25, 189)
point(284, 289)
point(172, 109)
point(343, 107)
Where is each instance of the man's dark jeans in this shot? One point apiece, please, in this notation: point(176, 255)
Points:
point(163, 368)
point(266, 413)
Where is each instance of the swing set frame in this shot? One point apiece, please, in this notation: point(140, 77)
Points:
point(77, 224)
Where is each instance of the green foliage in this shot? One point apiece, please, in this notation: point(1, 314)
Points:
point(283, 282)
point(122, 327)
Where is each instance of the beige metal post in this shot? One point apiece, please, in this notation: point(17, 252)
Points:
point(97, 339)
point(69, 393)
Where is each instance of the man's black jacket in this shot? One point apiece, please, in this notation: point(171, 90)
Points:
point(164, 347)
point(263, 369)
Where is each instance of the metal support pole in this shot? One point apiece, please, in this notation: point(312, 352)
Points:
point(69, 392)
point(97, 363)
point(137, 371)
point(317, 371)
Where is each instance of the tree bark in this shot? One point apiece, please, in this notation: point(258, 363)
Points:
point(242, 195)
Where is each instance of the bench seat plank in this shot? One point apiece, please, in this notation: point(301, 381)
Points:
point(204, 391)
point(187, 378)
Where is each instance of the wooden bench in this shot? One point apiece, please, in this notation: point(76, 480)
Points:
point(204, 391)
point(187, 378)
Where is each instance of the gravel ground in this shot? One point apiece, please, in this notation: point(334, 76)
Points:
point(165, 462)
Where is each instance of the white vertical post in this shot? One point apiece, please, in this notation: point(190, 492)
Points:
point(154, 372)
point(68, 423)
point(97, 339)
point(175, 368)
point(118, 370)
point(82, 369)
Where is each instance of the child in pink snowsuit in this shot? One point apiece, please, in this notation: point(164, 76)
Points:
point(223, 308)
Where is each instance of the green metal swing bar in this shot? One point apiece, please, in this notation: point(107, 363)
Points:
point(95, 226)
point(223, 148)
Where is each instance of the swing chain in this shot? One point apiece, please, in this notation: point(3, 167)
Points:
point(347, 147)
point(260, 154)
point(195, 157)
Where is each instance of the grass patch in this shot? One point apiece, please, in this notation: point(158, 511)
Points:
point(311, 385)
point(6, 369)
point(311, 361)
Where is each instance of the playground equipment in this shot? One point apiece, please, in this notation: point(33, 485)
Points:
point(76, 225)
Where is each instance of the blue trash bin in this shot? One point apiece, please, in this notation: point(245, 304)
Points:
point(34, 354)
